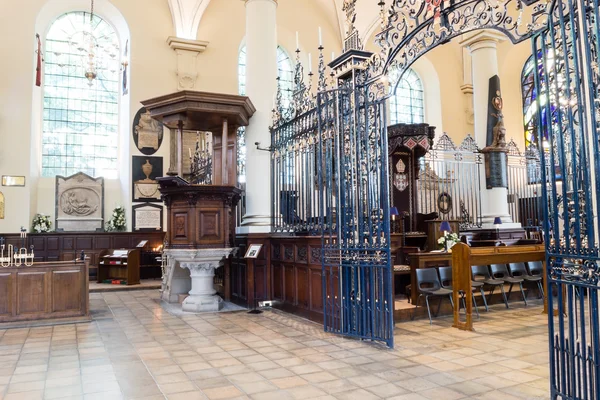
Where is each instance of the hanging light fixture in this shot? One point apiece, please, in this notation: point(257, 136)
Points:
point(91, 48)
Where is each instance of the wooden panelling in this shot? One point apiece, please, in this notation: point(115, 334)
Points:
point(6, 293)
point(180, 226)
point(209, 229)
point(277, 282)
point(119, 242)
point(316, 290)
point(69, 243)
point(31, 292)
point(66, 293)
point(293, 281)
point(39, 243)
point(84, 243)
point(260, 282)
point(44, 290)
point(102, 242)
point(52, 243)
point(67, 246)
point(289, 284)
point(302, 287)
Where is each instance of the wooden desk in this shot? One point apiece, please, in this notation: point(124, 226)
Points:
point(44, 291)
point(479, 256)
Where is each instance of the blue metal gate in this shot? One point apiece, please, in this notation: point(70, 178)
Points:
point(568, 114)
point(354, 209)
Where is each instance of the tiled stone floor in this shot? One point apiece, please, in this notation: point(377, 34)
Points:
point(135, 350)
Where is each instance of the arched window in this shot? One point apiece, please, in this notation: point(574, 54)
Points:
point(285, 72)
point(530, 108)
point(406, 102)
point(80, 121)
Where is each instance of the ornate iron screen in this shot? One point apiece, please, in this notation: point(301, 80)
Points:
point(352, 170)
point(449, 182)
point(566, 79)
point(524, 187)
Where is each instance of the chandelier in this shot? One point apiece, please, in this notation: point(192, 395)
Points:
point(96, 50)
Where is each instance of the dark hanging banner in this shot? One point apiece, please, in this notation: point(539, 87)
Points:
point(495, 151)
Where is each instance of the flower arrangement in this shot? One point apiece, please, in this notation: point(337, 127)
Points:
point(450, 239)
point(41, 223)
point(117, 223)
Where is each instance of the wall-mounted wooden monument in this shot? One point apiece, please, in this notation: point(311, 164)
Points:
point(200, 224)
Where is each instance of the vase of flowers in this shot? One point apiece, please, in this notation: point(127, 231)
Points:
point(448, 240)
point(41, 223)
point(117, 222)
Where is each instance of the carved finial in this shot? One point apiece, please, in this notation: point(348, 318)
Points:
point(349, 8)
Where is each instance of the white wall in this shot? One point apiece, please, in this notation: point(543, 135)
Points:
point(152, 65)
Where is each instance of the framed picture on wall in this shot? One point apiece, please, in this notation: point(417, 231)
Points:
point(253, 251)
point(144, 171)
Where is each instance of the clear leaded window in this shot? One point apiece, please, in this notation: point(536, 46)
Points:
point(285, 72)
point(80, 121)
point(406, 102)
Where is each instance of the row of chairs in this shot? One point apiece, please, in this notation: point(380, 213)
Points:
point(429, 284)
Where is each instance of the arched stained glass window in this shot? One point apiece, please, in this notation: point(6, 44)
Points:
point(530, 117)
point(406, 102)
point(80, 121)
point(285, 72)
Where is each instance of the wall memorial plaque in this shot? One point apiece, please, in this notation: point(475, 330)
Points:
point(147, 217)
point(10, 180)
point(144, 171)
point(147, 132)
point(79, 203)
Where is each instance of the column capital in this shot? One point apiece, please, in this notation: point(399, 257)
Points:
point(482, 39)
point(187, 44)
point(187, 51)
point(254, 1)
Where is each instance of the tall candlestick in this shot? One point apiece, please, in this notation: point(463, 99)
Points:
point(190, 150)
point(309, 62)
point(332, 56)
point(320, 37)
point(297, 41)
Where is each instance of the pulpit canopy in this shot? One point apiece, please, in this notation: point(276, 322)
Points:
point(200, 111)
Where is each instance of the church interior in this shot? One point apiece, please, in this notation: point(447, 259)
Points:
point(300, 199)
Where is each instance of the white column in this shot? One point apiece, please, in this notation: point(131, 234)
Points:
point(261, 84)
point(484, 64)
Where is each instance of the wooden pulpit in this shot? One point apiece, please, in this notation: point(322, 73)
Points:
point(200, 225)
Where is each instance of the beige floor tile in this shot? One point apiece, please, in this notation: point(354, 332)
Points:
point(416, 384)
point(357, 394)
point(196, 395)
point(26, 387)
point(275, 395)
point(387, 390)
point(469, 388)
point(306, 392)
point(250, 388)
point(221, 393)
point(61, 392)
point(171, 378)
point(442, 393)
point(33, 395)
point(408, 396)
point(289, 382)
